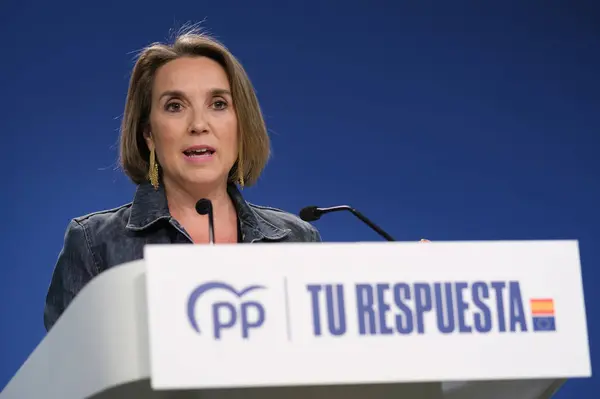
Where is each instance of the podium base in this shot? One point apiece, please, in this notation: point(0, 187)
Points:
point(539, 389)
point(520, 389)
point(142, 389)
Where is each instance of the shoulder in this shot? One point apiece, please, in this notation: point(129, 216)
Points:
point(90, 235)
point(303, 231)
point(97, 227)
point(106, 218)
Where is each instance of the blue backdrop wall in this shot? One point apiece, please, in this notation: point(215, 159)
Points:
point(461, 122)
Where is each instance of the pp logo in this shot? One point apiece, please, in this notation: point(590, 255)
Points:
point(225, 315)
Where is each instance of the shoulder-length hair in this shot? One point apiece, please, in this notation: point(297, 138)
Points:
point(253, 140)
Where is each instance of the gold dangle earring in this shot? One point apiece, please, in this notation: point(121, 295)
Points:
point(240, 167)
point(153, 170)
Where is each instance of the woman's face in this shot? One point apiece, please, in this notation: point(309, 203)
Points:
point(193, 124)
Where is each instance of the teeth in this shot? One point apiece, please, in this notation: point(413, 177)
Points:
point(198, 152)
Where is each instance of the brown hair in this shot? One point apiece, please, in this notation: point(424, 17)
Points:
point(253, 140)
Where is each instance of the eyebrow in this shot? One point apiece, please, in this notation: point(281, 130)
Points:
point(179, 93)
point(220, 92)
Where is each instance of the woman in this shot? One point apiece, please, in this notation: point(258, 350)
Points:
point(192, 128)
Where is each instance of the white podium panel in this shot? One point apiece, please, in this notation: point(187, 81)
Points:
point(321, 314)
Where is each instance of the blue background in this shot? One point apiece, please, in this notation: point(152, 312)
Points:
point(450, 122)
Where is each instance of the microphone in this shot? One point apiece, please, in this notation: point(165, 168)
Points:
point(312, 213)
point(203, 207)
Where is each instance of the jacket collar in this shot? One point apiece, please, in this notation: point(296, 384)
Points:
point(150, 206)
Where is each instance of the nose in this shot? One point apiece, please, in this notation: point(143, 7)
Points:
point(198, 123)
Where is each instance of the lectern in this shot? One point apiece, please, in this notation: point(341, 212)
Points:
point(364, 320)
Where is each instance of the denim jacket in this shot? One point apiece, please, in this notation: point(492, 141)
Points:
point(95, 242)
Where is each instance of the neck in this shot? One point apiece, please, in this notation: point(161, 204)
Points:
point(182, 206)
point(182, 200)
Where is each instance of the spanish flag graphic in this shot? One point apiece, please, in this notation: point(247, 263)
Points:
point(542, 313)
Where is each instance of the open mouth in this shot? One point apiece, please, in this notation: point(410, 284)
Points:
point(199, 152)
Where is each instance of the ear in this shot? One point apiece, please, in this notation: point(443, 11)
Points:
point(148, 137)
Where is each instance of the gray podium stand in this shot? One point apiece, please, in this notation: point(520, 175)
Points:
point(99, 349)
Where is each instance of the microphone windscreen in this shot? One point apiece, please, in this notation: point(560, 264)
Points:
point(203, 206)
point(309, 214)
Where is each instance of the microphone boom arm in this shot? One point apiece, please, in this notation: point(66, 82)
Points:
point(360, 216)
